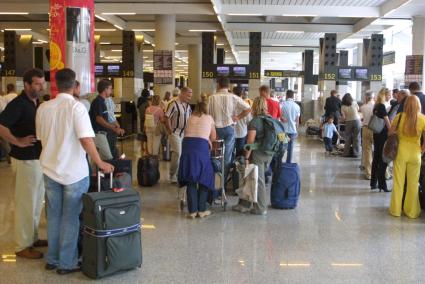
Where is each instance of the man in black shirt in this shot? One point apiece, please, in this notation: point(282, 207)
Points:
point(415, 89)
point(106, 133)
point(17, 126)
point(333, 108)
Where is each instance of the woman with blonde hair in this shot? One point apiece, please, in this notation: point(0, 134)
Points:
point(154, 117)
point(379, 167)
point(258, 157)
point(195, 168)
point(409, 126)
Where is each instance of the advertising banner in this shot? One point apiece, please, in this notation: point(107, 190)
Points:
point(71, 46)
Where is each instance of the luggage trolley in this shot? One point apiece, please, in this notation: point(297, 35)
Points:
point(217, 159)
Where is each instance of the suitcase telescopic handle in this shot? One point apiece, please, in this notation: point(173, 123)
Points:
point(100, 175)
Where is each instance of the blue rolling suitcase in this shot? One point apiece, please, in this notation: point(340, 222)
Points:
point(286, 186)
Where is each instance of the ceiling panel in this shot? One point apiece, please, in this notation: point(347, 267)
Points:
point(356, 3)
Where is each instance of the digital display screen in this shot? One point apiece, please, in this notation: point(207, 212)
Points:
point(99, 69)
point(239, 71)
point(362, 74)
point(344, 73)
point(114, 70)
point(223, 71)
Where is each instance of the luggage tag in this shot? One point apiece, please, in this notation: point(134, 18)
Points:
point(116, 189)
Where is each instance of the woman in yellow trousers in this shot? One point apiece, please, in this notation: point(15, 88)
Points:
point(407, 164)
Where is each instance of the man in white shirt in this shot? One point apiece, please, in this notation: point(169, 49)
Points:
point(227, 109)
point(64, 129)
point(290, 116)
point(367, 135)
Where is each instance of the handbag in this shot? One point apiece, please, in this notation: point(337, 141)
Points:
point(389, 153)
point(376, 124)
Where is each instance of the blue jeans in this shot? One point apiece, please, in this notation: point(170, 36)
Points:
point(197, 195)
point(63, 207)
point(291, 143)
point(328, 144)
point(228, 135)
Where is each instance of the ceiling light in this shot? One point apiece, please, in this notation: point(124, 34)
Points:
point(241, 14)
point(148, 42)
point(143, 30)
point(14, 13)
point(291, 32)
point(282, 45)
point(299, 15)
point(220, 44)
point(17, 29)
point(118, 27)
point(153, 44)
point(147, 50)
point(116, 50)
point(105, 42)
point(37, 42)
point(176, 43)
point(104, 30)
point(118, 13)
point(48, 30)
point(42, 41)
point(206, 31)
point(219, 18)
point(100, 18)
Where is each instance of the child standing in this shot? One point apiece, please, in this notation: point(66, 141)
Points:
point(327, 133)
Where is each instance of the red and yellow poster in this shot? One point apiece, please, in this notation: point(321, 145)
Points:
point(72, 41)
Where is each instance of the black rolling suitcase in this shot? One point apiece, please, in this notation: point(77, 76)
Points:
point(148, 170)
point(112, 232)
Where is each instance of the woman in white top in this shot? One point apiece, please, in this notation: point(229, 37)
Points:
point(154, 117)
point(350, 114)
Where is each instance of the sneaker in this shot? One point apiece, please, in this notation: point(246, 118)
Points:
point(30, 253)
point(192, 215)
point(68, 271)
point(173, 179)
point(204, 214)
point(49, 266)
point(258, 212)
point(240, 208)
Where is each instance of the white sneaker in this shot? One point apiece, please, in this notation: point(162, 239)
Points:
point(173, 179)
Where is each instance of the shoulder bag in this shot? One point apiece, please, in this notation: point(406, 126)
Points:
point(389, 153)
point(376, 124)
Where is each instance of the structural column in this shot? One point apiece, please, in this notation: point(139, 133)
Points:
point(195, 70)
point(418, 39)
point(165, 38)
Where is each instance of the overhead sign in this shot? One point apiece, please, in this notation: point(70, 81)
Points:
point(388, 58)
point(163, 67)
point(414, 65)
point(283, 73)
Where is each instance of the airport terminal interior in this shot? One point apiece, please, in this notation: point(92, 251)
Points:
point(307, 52)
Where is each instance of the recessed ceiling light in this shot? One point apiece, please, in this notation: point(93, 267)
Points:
point(282, 45)
point(118, 13)
point(104, 30)
point(116, 50)
point(17, 29)
point(207, 31)
point(14, 13)
point(291, 32)
point(220, 44)
point(247, 14)
point(105, 42)
point(143, 30)
point(118, 27)
point(99, 17)
point(299, 15)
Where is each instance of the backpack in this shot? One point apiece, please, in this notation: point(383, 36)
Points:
point(274, 138)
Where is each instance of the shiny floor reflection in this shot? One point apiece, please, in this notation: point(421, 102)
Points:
point(341, 232)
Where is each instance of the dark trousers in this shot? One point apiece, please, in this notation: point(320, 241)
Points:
point(197, 195)
point(378, 166)
point(239, 144)
point(112, 141)
point(328, 144)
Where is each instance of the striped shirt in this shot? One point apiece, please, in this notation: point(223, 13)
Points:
point(223, 106)
point(178, 113)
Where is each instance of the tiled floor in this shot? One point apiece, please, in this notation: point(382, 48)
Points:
point(340, 233)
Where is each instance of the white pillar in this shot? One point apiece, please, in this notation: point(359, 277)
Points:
point(418, 38)
point(195, 69)
point(358, 59)
point(165, 38)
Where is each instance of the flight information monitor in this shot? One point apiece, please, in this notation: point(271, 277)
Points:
point(239, 71)
point(361, 74)
point(114, 70)
point(223, 71)
point(344, 74)
point(99, 70)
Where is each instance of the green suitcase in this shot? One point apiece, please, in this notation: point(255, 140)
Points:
point(112, 232)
